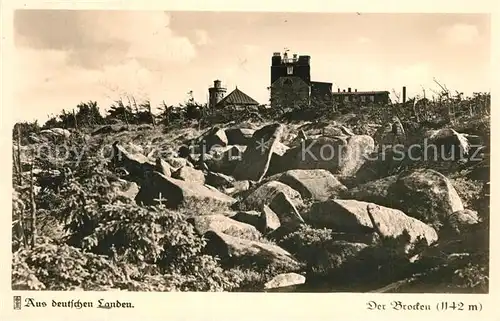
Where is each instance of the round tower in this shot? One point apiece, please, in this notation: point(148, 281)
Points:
point(215, 93)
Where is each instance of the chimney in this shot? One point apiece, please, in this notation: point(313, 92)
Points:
point(338, 90)
point(343, 90)
point(349, 89)
point(404, 94)
point(355, 90)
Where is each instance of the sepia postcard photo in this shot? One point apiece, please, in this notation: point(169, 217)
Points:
point(283, 151)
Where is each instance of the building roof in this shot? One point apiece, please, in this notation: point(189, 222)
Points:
point(360, 92)
point(237, 97)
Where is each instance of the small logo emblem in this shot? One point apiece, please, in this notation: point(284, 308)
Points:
point(17, 302)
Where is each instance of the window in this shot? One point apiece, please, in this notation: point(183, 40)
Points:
point(372, 98)
point(363, 99)
point(346, 98)
point(289, 70)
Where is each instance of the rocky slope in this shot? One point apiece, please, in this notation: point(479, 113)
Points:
point(317, 198)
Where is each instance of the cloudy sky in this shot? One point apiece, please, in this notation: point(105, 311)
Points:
point(64, 57)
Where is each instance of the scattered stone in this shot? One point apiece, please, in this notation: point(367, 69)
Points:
point(163, 167)
point(54, 133)
point(214, 137)
point(285, 279)
point(219, 180)
point(377, 191)
point(238, 187)
point(352, 216)
point(270, 219)
point(178, 162)
point(125, 188)
point(426, 195)
point(448, 143)
point(189, 174)
point(288, 214)
point(137, 165)
point(249, 217)
point(315, 184)
point(238, 250)
point(389, 222)
point(239, 136)
point(224, 160)
point(224, 224)
point(342, 155)
point(256, 158)
point(174, 192)
point(265, 193)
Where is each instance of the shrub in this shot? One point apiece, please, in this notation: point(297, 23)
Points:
point(470, 191)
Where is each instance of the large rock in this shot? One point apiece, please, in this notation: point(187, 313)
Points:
point(239, 136)
point(238, 250)
point(321, 153)
point(238, 187)
point(284, 280)
point(340, 215)
point(219, 180)
point(224, 159)
point(377, 191)
point(215, 137)
point(391, 134)
point(137, 165)
point(315, 184)
point(339, 155)
point(325, 129)
point(380, 165)
point(270, 220)
point(392, 223)
point(125, 189)
point(265, 193)
point(448, 144)
point(175, 192)
point(288, 214)
point(253, 218)
point(358, 146)
point(55, 133)
point(426, 195)
point(178, 162)
point(163, 167)
point(352, 216)
point(256, 159)
point(224, 224)
point(265, 221)
point(189, 174)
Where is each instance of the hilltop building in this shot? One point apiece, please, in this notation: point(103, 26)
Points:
point(216, 93)
point(236, 98)
point(376, 97)
point(291, 86)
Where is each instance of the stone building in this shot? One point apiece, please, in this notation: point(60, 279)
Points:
point(291, 84)
point(216, 93)
point(292, 87)
point(235, 99)
point(361, 97)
